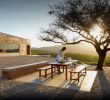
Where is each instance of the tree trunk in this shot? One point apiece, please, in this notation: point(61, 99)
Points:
point(101, 61)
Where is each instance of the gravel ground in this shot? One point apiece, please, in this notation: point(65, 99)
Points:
point(10, 89)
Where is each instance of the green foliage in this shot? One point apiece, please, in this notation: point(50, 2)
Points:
point(39, 52)
point(53, 54)
point(107, 61)
point(83, 58)
point(35, 52)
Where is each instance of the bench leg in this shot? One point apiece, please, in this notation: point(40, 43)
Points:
point(63, 68)
point(39, 73)
point(45, 73)
point(70, 76)
point(78, 77)
point(75, 78)
point(84, 71)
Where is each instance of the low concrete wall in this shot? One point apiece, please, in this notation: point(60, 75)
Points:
point(17, 71)
point(9, 54)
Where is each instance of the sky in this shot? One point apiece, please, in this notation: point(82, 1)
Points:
point(26, 18)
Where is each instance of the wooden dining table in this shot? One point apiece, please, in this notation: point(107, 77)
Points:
point(64, 65)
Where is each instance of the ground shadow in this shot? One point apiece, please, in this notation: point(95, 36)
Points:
point(2, 79)
point(38, 91)
point(35, 91)
point(104, 84)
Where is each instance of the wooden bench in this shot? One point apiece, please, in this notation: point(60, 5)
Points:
point(16, 71)
point(78, 72)
point(45, 69)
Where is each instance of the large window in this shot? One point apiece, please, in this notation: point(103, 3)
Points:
point(9, 48)
point(2, 47)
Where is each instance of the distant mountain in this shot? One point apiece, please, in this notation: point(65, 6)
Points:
point(34, 48)
point(82, 48)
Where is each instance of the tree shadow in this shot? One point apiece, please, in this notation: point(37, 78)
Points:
point(36, 91)
point(39, 91)
point(2, 79)
point(103, 85)
point(26, 91)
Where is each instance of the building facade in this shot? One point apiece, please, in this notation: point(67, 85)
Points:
point(12, 45)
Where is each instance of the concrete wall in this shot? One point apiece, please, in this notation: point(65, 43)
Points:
point(6, 38)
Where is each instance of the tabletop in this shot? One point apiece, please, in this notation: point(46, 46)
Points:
point(65, 63)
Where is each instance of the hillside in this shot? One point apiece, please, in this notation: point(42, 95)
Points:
point(81, 48)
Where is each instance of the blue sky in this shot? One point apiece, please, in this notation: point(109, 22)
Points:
point(25, 18)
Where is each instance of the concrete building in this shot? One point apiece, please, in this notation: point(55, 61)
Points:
point(13, 45)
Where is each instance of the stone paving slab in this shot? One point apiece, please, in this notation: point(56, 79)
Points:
point(85, 83)
point(10, 89)
point(14, 89)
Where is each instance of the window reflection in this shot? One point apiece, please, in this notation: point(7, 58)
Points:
point(2, 47)
point(9, 48)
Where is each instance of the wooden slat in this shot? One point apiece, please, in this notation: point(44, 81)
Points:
point(79, 68)
point(78, 72)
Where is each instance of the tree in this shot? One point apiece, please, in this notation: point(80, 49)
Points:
point(74, 22)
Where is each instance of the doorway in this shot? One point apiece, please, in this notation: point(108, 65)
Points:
point(28, 50)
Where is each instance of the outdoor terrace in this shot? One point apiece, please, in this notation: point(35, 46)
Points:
point(96, 84)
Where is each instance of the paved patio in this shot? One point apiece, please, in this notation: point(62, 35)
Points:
point(85, 83)
point(28, 87)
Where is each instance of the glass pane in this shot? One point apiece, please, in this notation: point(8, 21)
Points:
point(10, 48)
point(1, 47)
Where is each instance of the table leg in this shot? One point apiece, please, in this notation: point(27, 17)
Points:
point(70, 76)
point(51, 71)
point(63, 68)
point(39, 73)
point(66, 73)
point(45, 73)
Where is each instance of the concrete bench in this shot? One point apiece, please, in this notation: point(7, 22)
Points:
point(78, 72)
point(16, 71)
point(45, 69)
